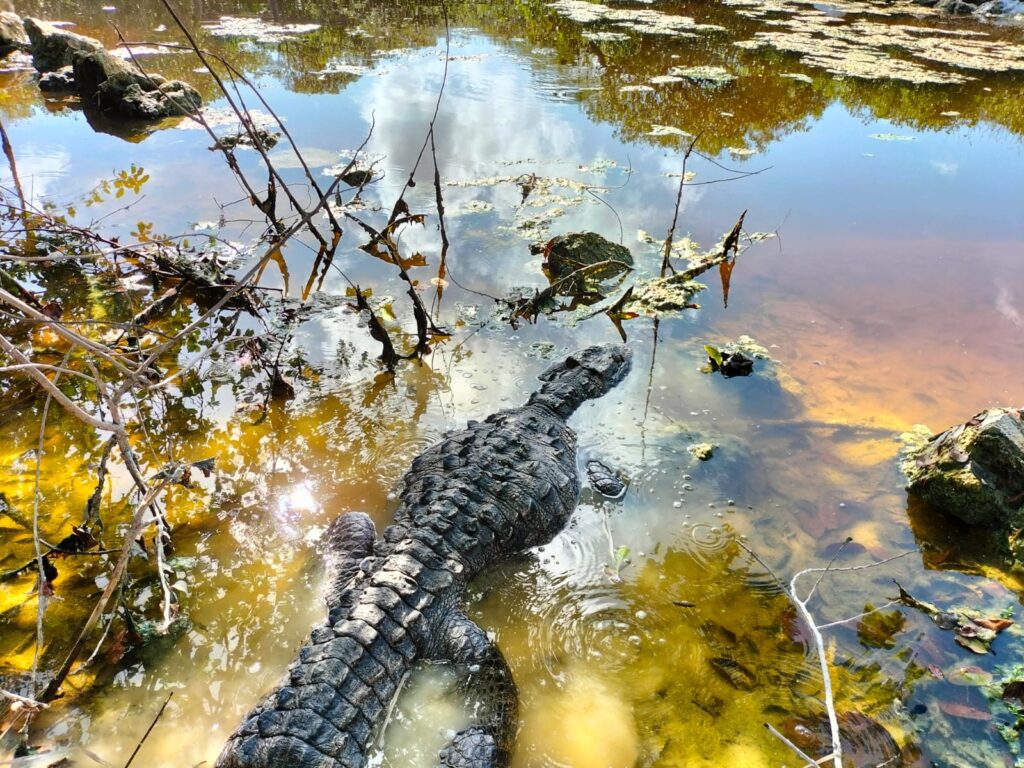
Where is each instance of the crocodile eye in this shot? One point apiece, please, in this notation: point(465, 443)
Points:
point(572, 362)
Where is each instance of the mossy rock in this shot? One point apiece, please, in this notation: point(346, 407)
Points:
point(974, 471)
point(597, 257)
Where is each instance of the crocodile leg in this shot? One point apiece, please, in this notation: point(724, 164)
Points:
point(489, 684)
point(347, 543)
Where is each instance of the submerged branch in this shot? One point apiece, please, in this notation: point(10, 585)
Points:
point(801, 605)
point(149, 730)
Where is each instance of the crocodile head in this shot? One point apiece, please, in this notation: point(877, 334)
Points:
point(585, 374)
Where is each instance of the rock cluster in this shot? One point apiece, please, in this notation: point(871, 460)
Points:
point(68, 61)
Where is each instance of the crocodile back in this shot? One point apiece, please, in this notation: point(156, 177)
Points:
point(491, 490)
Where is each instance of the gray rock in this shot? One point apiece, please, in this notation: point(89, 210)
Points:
point(118, 87)
point(12, 33)
point(52, 47)
point(975, 7)
point(171, 99)
point(62, 79)
point(974, 471)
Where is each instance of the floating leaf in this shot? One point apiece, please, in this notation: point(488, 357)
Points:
point(962, 710)
point(996, 625)
point(621, 556)
point(714, 354)
point(876, 630)
point(973, 633)
point(891, 137)
point(972, 676)
point(972, 643)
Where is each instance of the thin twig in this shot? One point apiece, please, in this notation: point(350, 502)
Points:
point(152, 725)
point(44, 367)
point(61, 330)
point(9, 152)
point(666, 265)
point(889, 604)
point(803, 755)
point(823, 571)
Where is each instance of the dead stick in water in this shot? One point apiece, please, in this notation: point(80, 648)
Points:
point(9, 152)
point(666, 265)
point(149, 730)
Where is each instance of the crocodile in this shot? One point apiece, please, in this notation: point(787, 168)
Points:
point(479, 496)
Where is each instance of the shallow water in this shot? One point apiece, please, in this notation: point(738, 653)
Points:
point(891, 296)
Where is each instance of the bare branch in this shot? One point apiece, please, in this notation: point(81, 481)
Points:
point(15, 354)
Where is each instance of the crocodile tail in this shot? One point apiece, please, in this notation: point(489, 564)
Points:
point(331, 705)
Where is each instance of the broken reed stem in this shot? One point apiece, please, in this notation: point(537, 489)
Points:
point(291, 141)
point(245, 118)
point(411, 181)
point(9, 152)
point(666, 265)
point(440, 199)
point(149, 730)
point(442, 267)
point(232, 163)
point(424, 320)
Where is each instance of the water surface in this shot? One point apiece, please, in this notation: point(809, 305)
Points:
point(891, 296)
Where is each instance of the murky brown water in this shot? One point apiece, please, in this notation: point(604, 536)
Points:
point(892, 296)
